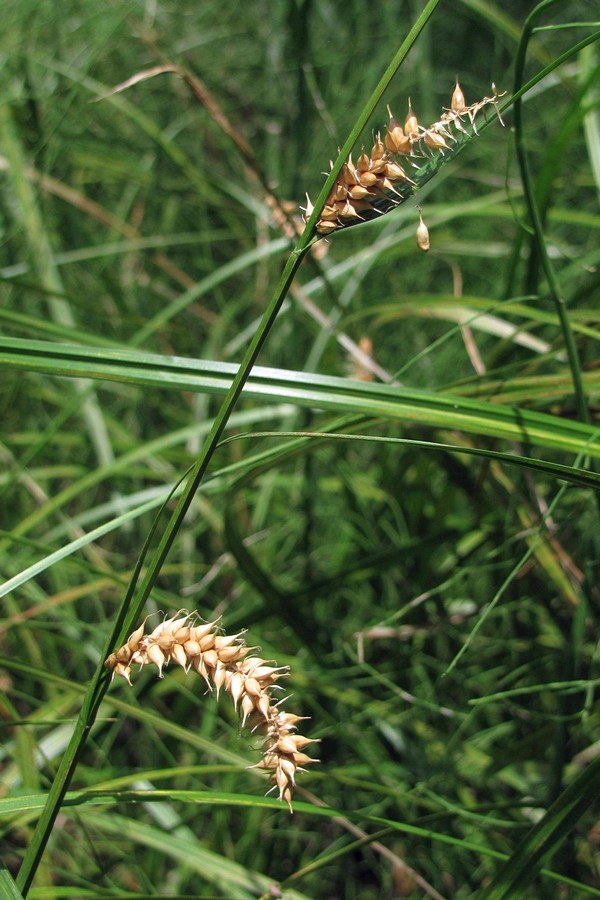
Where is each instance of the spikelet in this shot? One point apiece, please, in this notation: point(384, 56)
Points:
point(422, 233)
point(223, 661)
point(378, 182)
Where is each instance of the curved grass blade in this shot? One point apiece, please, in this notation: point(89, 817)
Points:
point(93, 802)
point(370, 399)
point(8, 887)
point(520, 870)
point(535, 216)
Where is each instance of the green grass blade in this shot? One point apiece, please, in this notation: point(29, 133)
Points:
point(385, 401)
point(518, 873)
point(8, 887)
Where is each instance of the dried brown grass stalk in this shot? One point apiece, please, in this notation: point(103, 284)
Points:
point(378, 182)
point(224, 662)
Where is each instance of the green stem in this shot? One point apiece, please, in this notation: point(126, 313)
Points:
point(131, 607)
point(571, 650)
point(535, 218)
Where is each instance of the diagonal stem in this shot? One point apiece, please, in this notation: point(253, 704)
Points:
point(132, 604)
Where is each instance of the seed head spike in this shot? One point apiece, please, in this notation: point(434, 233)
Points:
point(377, 183)
point(223, 662)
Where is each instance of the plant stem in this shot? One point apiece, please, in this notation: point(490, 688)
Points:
point(131, 605)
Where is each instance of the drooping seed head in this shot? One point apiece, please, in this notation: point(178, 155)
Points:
point(223, 662)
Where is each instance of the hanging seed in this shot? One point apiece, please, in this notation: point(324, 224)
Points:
point(179, 655)
point(156, 656)
point(422, 234)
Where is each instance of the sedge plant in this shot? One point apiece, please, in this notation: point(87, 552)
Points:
point(362, 186)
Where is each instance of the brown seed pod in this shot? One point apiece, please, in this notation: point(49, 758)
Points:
point(326, 228)
point(395, 139)
point(348, 211)
point(457, 104)
point(358, 192)
point(329, 214)
point(378, 166)
point(367, 179)
point(349, 174)
point(378, 150)
point(411, 124)
point(422, 234)
point(395, 172)
point(435, 140)
point(363, 163)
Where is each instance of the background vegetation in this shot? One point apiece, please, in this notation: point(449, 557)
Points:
point(439, 609)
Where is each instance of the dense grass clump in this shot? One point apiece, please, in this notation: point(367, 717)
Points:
point(371, 469)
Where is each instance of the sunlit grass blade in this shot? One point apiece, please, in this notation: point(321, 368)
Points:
point(307, 390)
